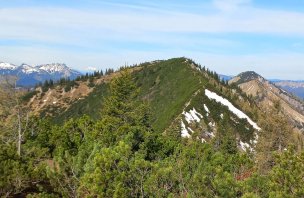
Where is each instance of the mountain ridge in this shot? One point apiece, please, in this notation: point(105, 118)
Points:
point(162, 110)
point(180, 92)
point(266, 94)
point(295, 87)
point(29, 75)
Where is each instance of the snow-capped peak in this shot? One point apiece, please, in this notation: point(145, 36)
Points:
point(30, 75)
point(28, 68)
point(54, 67)
point(7, 66)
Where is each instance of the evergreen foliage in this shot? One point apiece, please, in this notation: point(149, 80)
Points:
point(129, 150)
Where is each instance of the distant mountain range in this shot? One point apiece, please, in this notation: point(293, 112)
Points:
point(294, 87)
point(31, 75)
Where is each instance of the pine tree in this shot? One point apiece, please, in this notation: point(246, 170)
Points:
point(287, 176)
point(119, 138)
point(51, 83)
point(122, 115)
point(275, 137)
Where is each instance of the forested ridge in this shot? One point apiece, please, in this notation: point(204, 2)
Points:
point(129, 152)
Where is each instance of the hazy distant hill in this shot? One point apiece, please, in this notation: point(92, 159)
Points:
point(294, 87)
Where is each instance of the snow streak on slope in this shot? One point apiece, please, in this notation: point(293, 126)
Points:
point(206, 108)
point(192, 115)
point(185, 133)
point(233, 109)
point(245, 146)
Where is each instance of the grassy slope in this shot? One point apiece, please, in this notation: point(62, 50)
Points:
point(167, 86)
point(91, 105)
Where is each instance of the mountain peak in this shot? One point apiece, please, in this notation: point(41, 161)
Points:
point(246, 77)
point(268, 94)
point(27, 69)
point(30, 75)
point(7, 66)
point(54, 67)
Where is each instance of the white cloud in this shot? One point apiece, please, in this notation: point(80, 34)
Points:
point(88, 28)
point(60, 23)
point(230, 5)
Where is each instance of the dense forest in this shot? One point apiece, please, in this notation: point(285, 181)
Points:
point(121, 154)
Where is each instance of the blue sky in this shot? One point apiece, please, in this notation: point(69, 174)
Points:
point(228, 36)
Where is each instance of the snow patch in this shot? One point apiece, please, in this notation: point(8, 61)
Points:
point(28, 69)
point(245, 146)
point(184, 132)
point(54, 67)
point(192, 115)
point(255, 140)
point(211, 124)
point(190, 129)
point(283, 91)
point(206, 109)
point(198, 69)
point(233, 109)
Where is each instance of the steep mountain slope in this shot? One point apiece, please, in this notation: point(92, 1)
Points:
point(266, 94)
point(294, 87)
point(31, 75)
point(184, 98)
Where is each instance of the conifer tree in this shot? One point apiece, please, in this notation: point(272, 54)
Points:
point(119, 138)
point(122, 115)
point(275, 137)
point(287, 176)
